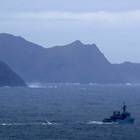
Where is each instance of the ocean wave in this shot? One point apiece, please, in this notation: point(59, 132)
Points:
point(97, 122)
point(26, 124)
point(48, 123)
point(41, 85)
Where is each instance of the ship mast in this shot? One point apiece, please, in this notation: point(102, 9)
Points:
point(124, 107)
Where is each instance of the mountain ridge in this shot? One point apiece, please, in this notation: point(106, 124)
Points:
point(74, 62)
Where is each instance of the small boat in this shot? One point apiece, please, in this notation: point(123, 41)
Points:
point(120, 117)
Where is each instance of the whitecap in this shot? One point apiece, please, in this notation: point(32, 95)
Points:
point(98, 122)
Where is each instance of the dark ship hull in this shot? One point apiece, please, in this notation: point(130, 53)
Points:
point(120, 121)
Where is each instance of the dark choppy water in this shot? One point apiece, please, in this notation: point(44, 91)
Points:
point(67, 112)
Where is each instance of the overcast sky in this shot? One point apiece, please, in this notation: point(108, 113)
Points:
point(114, 25)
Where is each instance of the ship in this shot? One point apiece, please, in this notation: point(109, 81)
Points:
point(120, 117)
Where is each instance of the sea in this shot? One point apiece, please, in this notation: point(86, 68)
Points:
point(67, 111)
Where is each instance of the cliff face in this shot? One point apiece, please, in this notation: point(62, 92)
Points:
point(8, 77)
point(75, 62)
